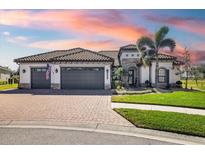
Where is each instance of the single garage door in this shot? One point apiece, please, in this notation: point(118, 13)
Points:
point(38, 79)
point(82, 78)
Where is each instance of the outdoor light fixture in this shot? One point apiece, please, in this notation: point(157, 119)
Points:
point(107, 72)
point(24, 71)
point(56, 70)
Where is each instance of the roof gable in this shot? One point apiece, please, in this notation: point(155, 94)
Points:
point(84, 55)
point(75, 54)
point(129, 47)
point(113, 54)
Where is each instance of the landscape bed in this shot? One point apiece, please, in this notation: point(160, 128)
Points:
point(192, 83)
point(8, 86)
point(166, 121)
point(193, 99)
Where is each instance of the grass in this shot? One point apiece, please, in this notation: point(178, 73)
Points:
point(166, 121)
point(8, 86)
point(180, 98)
point(192, 83)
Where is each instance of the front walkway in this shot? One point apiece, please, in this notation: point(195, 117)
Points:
point(159, 108)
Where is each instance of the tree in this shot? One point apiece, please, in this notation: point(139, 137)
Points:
point(118, 77)
point(160, 41)
point(195, 71)
point(146, 59)
point(187, 65)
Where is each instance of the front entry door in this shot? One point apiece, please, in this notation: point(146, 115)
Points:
point(131, 77)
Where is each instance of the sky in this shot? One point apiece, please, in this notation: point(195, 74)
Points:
point(28, 32)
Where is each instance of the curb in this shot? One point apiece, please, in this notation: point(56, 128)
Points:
point(110, 129)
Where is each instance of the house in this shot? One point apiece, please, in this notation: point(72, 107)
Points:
point(5, 73)
point(80, 68)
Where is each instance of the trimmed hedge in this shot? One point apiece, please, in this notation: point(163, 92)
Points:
point(3, 82)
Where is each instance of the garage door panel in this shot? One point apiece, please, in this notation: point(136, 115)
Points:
point(38, 79)
point(82, 78)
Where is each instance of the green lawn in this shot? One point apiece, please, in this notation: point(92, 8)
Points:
point(180, 98)
point(8, 86)
point(192, 83)
point(166, 121)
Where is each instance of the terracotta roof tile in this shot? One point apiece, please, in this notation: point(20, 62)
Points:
point(69, 55)
point(84, 55)
point(111, 53)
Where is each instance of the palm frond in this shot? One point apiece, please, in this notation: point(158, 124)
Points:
point(145, 42)
point(160, 35)
point(170, 43)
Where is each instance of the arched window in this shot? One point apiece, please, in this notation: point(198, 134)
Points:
point(162, 75)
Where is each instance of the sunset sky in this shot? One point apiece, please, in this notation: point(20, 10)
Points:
point(27, 32)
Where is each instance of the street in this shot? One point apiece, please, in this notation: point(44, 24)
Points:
point(54, 136)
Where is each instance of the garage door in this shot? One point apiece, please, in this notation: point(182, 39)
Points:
point(82, 78)
point(38, 79)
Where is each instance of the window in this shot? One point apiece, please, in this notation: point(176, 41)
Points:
point(40, 69)
point(162, 75)
point(132, 55)
point(126, 55)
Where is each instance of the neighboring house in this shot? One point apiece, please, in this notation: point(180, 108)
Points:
point(80, 68)
point(5, 73)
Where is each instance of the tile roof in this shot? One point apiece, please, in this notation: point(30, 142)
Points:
point(84, 55)
point(166, 57)
point(80, 54)
point(113, 54)
point(129, 47)
point(132, 47)
point(75, 54)
point(5, 69)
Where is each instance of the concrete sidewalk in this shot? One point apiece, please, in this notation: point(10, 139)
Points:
point(110, 129)
point(159, 108)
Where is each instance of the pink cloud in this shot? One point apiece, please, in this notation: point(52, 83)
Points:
point(196, 55)
point(108, 23)
point(66, 44)
point(188, 24)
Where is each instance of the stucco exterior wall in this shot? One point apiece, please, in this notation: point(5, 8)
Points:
point(144, 73)
point(25, 78)
point(128, 55)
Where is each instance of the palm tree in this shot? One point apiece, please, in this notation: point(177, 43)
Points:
point(146, 59)
point(160, 41)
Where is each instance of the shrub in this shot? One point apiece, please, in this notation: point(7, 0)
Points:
point(118, 84)
point(148, 83)
point(179, 84)
point(3, 82)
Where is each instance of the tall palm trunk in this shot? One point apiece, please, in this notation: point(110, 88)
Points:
point(156, 71)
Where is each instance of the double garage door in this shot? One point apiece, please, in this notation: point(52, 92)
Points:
point(71, 78)
point(82, 78)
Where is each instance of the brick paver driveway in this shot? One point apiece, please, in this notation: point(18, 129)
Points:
point(48, 105)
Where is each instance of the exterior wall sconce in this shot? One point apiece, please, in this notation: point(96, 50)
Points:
point(24, 71)
point(56, 70)
point(107, 74)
